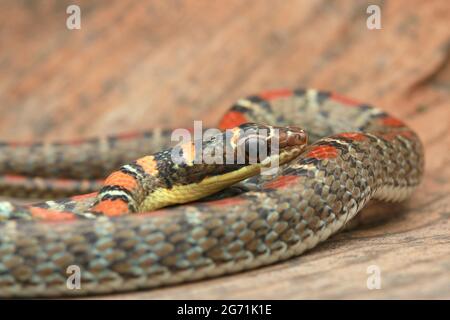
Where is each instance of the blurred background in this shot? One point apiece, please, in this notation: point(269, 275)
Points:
point(141, 64)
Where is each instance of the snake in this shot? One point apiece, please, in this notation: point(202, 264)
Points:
point(160, 220)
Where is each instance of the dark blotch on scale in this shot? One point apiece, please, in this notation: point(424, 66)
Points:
point(299, 92)
point(322, 96)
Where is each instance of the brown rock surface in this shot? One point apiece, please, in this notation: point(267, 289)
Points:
point(135, 65)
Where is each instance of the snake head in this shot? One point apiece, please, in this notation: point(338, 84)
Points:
point(243, 151)
point(226, 158)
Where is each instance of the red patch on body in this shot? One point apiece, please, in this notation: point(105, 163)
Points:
point(21, 143)
point(225, 202)
point(112, 208)
point(353, 136)
point(50, 215)
point(232, 119)
point(84, 196)
point(281, 182)
point(345, 100)
point(75, 142)
point(274, 94)
point(392, 122)
point(124, 180)
point(322, 152)
point(128, 135)
point(14, 178)
point(63, 183)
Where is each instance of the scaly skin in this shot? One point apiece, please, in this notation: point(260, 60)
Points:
point(358, 153)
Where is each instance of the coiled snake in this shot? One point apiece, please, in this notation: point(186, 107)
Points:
point(357, 153)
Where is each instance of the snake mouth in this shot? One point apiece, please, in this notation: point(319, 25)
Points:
point(286, 155)
point(292, 141)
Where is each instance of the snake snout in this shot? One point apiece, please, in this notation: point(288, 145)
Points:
point(292, 136)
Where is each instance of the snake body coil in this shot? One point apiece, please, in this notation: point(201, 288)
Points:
point(357, 153)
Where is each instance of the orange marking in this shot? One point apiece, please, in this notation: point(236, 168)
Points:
point(75, 142)
point(148, 163)
point(118, 178)
point(392, 122)
point(14, 178)
point(128, 135)
point(50, 215)
point(344, 100)
point(322, 152)
point(112, 208)
point(20, 143)
point(61, 183)
point(353, 136)
point(226, 202)
point(274, 94)
point(281, 182)
point(84, 196)
point(232, 119)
